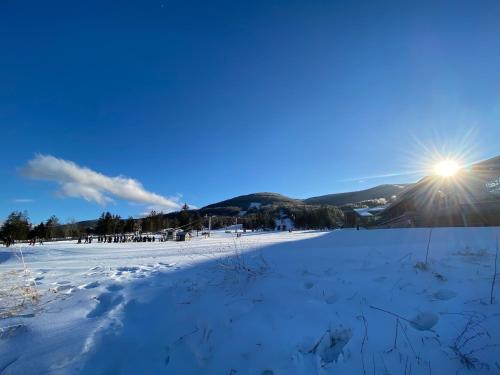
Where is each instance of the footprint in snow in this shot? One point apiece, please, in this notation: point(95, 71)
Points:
point(424, 321)
point(11, 331)
point(61, 288)
point(91, 285)
point(114, 287)
point(106, 302)
point(127, 269)
point(331, 345)
point(444, 294)
point(64, 282)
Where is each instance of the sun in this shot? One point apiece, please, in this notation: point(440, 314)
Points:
point(446, 168)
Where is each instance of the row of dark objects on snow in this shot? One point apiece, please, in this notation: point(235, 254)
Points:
point(121, 239)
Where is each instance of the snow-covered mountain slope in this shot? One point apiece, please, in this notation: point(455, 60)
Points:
point(347, 301)
point(386, 191)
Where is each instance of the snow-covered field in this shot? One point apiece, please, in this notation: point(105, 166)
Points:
point(341, 302)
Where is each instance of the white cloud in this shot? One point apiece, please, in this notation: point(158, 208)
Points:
point(81, 182)
point(22, 200)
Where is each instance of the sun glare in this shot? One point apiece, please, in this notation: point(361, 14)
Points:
point(446, 168)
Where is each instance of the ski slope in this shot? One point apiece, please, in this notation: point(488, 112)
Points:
point(338, 302)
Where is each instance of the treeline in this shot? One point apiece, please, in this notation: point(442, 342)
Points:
point(17, 226)
point(314, 217)
point(310, 217)
point(153, 222)
point(303, 216)
point(365, 204)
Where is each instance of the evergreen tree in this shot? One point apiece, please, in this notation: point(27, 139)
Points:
point(118, 224)
point(39, 231)
point(183, 218)
point(16, 226)
point(105, 224)
point(129, 226)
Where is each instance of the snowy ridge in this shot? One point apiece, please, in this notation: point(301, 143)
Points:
point(344, 302)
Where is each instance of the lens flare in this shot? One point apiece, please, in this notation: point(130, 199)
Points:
point(446, 168)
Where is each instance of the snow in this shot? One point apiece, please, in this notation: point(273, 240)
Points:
point(234, 227)
point(338, 302)
point(367, 211)
point(363, 212)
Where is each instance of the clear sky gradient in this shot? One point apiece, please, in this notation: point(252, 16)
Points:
point(213, 99)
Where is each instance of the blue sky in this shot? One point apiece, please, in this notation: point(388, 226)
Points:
point(203, 100)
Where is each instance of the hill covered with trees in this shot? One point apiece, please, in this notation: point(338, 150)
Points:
point(386, 191)
point(243, 202)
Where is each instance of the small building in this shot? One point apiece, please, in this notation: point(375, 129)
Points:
point(283, 222)
point(363, 217)
point(182, 236)
point(171, 234)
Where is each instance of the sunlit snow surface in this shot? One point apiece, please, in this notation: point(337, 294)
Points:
point(340, 302)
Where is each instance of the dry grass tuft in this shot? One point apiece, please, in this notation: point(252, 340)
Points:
point(18, 290)
point(422, 266)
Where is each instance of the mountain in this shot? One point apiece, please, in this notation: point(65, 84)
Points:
point(244, 202)
point(381, 191)
point(235, 206)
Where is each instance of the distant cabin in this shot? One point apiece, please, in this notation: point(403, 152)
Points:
point(283, 222)
point(362, 216)
point(171, 234)
point(182, 236)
